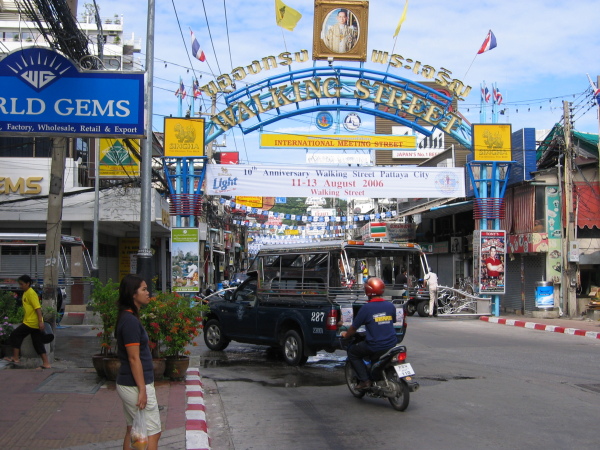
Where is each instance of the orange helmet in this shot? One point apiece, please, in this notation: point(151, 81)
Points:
point(374, 286)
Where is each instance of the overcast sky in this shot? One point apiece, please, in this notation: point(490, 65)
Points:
point(544, 51)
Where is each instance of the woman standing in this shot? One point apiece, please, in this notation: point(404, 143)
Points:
point(135, 381)
point(33, 324)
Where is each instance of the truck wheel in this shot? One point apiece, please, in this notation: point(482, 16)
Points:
point(214, 337)
point(423, 308)
point(411, 309)
point(293, 353)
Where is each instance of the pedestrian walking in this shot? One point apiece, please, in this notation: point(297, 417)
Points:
point(135, 381)
point(432, 285)
point(33, 325)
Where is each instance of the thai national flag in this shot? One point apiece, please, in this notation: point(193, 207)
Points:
point(181, 90)
point(497, 95)
point(489, 43)
point(196, 89)
point(196, 50)
point(485, 94)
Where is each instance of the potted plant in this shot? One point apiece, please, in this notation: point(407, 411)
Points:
point(10, 314)
point(180, 324)
point(103, 303)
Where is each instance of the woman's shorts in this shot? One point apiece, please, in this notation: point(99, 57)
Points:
point(129, 396)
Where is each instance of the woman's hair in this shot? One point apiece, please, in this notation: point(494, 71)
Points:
point(25, 279)
point(128, 287)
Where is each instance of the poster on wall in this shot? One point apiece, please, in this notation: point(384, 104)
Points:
point(128, 250)
point(185, 260)
point(489, 252)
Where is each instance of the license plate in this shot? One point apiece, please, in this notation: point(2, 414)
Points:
point(404, 370)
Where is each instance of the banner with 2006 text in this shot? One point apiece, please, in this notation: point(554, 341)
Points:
point(336, 182)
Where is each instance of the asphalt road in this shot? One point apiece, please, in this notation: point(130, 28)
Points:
point(482, 386)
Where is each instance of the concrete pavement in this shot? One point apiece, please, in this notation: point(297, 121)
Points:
point(70, 407)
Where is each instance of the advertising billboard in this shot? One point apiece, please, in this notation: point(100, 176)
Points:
point(43, 94)
point(185, 260)
point(489, 256)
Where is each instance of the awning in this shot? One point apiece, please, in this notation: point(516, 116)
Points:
point(424, 207)
point(587, 202)
point(446, 210)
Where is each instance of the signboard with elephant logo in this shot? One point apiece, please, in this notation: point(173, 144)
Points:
point(184, 137)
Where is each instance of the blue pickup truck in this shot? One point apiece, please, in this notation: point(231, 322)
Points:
point(297, 296)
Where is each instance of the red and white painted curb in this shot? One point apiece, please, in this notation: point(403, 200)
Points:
point(196, 431)
point(541, 326)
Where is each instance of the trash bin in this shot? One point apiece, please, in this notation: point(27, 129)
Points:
point(219, 286)
point(544, 295)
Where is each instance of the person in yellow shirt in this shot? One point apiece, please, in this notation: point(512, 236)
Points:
point(33, 324)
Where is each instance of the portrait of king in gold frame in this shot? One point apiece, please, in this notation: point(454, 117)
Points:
point(340, 30)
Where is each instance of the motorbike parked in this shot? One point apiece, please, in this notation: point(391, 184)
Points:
point(390, 373)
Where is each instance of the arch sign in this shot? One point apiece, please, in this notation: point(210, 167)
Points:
point(339, 35)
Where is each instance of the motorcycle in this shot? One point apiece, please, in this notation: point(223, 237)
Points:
point(391, 376)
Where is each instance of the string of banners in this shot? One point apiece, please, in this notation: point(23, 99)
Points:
point(349, 220)
point(260, 240)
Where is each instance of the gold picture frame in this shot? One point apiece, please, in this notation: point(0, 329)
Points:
point(332, 38)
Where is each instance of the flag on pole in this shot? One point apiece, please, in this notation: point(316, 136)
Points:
point(402, 19)
point(181, 90)
point(485, 94)
point(196, 89)
point(497, 95)
point(285, 16)
point(595, 90)
point(488, 44)
point(196, 50)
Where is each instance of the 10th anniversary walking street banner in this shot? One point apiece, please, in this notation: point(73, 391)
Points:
point(323, 181)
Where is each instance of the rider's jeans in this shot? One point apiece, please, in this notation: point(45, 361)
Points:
point(356, 354)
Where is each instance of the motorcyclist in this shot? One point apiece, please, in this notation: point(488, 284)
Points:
point(378, 317)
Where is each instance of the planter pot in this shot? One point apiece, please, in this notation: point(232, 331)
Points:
point(111, 368)
point(98, 363)
point(176, 367)
point(159, 365)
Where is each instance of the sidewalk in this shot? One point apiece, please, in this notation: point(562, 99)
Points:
point(576, 326)
point(70, 407)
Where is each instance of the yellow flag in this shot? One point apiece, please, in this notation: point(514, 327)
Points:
point(402, 19)
point(285, 16)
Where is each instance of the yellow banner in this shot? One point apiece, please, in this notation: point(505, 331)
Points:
point(491, 142)
point(253, 202)
point(377, 142)
point(292, 232)
point(116, 160)
point(184, 137)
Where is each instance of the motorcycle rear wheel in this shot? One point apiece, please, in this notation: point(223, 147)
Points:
point(400, 402)
point(352, 381)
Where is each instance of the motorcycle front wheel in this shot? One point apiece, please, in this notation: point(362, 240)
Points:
point(400, 402)
point(352, 380)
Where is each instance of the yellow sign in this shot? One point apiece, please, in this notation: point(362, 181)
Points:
point(378, 142)
point(253, 202)
point(117, 160)
point(184, 137)
point(128, 250)
point(291, 232)
point(491, 142)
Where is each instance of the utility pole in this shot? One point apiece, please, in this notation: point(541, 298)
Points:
point(54, 224)
point(569, 269)
point(144, 262)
